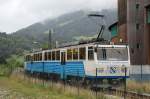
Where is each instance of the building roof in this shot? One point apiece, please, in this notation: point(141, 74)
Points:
point(114, 24)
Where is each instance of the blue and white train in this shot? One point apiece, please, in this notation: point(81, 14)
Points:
point(87, 61)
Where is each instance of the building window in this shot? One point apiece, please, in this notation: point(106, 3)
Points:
point(132, 50)
point(137, 26)
point(138, 46)
point(148, 14)
point(137, 6)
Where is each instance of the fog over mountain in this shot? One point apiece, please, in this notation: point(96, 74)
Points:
point(69, 27)
point(17, 14)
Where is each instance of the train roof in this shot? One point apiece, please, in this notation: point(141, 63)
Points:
point(95, 44)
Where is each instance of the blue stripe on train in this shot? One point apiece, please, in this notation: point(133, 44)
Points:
point(108, 77)
point(70, 68)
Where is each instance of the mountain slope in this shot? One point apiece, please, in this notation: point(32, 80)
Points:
point(67, 27)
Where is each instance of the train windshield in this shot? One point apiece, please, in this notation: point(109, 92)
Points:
point(112, 54)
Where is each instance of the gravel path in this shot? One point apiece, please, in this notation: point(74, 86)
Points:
point(3, 93)
point(9, 94)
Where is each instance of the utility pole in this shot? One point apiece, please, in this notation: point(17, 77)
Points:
point(50, 39)
point(56, 44)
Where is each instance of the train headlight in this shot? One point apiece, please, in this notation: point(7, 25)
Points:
point(123, 69)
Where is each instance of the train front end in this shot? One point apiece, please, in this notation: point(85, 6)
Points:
point(110, 62)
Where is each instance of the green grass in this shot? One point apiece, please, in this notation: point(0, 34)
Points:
point(30, 90)
point(140, 87)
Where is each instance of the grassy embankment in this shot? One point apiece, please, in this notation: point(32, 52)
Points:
point(140, 87)
point(29, 90)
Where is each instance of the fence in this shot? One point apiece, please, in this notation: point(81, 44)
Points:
point(140, 72)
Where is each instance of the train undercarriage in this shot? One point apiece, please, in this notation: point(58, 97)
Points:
point(85, 82)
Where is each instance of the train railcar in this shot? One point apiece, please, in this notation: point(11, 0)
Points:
point(87, 61)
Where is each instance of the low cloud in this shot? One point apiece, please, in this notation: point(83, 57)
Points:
point(16, 14)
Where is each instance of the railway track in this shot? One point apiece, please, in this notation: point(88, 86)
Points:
point(126, 94)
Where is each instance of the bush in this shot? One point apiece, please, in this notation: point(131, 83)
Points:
point(11, 63)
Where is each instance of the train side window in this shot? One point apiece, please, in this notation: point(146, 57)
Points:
point(69, 54)
point(30, 58)
point(82, 52)
point(49, 55)
point(33, 57)
point(27, 58)
point(57, 55)
point(40, 57)
point(36, 57)
point(45, 56)
point(75, 54)
point(53, 55)
point(90, 53)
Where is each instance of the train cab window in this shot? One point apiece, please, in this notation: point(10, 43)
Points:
point(53, 55)
point(112, 54)
point(69, 54)
point(57, 55)
point(75, 54)
point(90, 53)
point(101, 54)
point(49, 55)
point(82, 53)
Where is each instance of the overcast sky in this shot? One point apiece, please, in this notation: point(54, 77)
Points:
point(17, 14)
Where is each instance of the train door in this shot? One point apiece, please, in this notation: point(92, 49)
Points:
point(63, 58)
point(63, 63)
